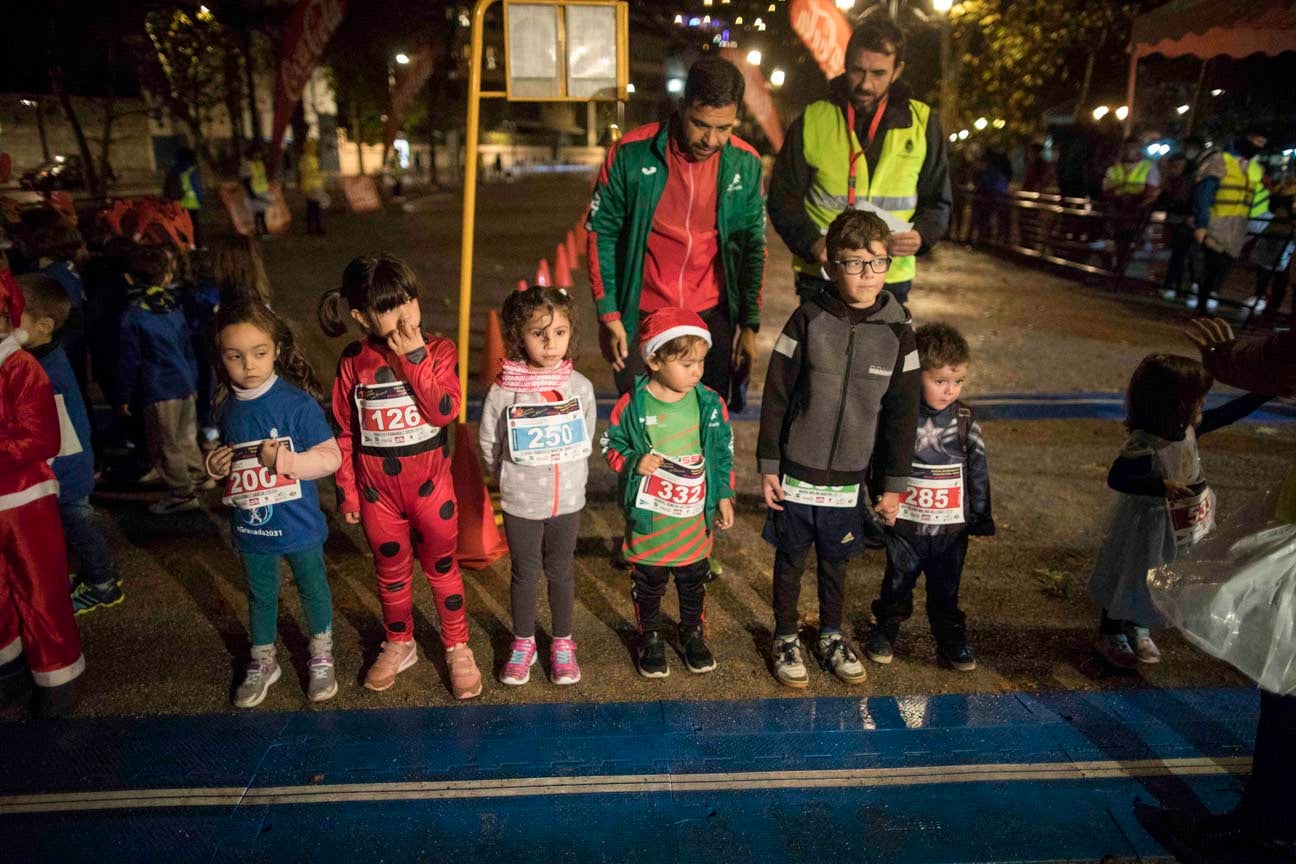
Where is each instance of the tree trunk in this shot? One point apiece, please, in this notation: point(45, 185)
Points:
point(355, 131)
point(249, 66)
point(69, 111)
point(234, 99)
point(109, 115)
point(1084, 87)
point(40, 129)
point(1193, 119)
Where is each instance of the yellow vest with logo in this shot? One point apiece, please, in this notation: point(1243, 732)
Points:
point(189, 200)
point(1120, 180)
point(257, 178)
point(1240, 193)
point(893, 186)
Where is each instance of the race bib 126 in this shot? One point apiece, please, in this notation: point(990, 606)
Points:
point(250, 484)
point(389, 417)
point(934, 496)
point(819, 496)
point(548, 433)
point(674, 489)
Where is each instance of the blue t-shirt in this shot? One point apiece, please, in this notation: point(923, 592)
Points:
point(282, 411)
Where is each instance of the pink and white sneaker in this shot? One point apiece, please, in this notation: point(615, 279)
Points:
point(562, 662)
point(522, 656)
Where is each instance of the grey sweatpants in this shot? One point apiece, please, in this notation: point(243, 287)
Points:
point(541, 546)
point(172, 429)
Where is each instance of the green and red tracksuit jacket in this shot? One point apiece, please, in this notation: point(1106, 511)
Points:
point(620, 219)
point(625, 442)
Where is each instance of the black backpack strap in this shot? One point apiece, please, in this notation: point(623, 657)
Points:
point(964, 426)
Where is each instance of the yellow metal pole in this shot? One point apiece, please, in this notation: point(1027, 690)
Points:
point(470, 202)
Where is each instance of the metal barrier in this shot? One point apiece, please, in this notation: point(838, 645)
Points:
point(1130, 250)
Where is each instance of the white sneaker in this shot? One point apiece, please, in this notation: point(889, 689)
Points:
point(838, 658)
point(789, 668)
point(261, 673)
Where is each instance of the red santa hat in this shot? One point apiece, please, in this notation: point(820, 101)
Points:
point(667, 323)
point(11, 298)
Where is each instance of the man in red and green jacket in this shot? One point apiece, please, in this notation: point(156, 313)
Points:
point(677, 219)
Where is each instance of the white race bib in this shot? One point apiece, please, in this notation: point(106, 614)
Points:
point(389, 416)
point(934, 496)
point(1192, 518)
point(819, 496)
point(674, 489)
point(548, 432)
point(250, 484)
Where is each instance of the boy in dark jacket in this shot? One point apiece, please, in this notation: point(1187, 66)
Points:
point(156, 363)
point(670, 443)
point(46, 312)
point(948, 500)
point(842, 387)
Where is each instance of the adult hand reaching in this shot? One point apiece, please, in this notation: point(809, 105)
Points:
point(614, 344)
point(1208, 334)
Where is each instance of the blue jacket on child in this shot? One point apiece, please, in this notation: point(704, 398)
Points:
point(156, 360)
point(75, 471)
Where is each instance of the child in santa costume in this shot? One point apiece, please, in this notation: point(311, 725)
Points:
point(35, 609)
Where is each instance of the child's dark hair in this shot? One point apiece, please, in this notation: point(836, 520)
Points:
point(148, 265)
point(371, 283)
point(291, 364)
point(45, 298)
point(940, 344)
point(59, 241)
point(1164, 394)
point(520, 306)
point(237, 268)
point(856, 229)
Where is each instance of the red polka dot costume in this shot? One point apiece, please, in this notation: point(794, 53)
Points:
point(392, 413)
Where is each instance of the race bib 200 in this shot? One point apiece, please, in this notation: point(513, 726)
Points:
point(250, 484)
point(548, 433)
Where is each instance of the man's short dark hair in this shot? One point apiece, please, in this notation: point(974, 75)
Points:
point(879, 35)
point(714, 83)
point(45, 298)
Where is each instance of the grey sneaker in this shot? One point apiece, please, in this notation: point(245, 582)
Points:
point(789, 668)
point(261, 673)
point(837, 657)
point(323, 682)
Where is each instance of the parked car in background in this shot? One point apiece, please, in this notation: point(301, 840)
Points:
point(61, 172)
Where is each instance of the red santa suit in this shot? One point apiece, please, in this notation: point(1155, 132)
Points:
point(392, 413)
point(35, 605)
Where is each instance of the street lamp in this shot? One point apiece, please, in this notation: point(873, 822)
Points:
point(1122, 112)
point(777, 78)
point(1183, 109)
point(948, 83)
point(981, 123)
point(754, 57)
point(942, 7)
point(402, 58)
point(1100, 112)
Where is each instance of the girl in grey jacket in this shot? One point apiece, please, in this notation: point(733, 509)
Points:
point(536, 429)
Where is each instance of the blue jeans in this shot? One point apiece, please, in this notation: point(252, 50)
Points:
point(86, 539)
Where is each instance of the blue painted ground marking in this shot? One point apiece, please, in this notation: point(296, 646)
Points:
point(1016, 777)
point(1015, 406)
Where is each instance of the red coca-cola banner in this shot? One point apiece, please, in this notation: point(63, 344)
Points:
point(824, 30)
point(410, 78)
point(312, 23)
point(756, 95)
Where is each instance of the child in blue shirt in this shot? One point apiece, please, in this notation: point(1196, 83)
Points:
point(46, 312)
point(156, 365)
point(275, 443)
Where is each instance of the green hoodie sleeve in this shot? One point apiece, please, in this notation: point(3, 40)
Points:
point(752, 237)
point(606, 217)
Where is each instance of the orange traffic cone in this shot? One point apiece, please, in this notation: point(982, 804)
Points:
point(562, 273)
point(522, 285)
point(582, 236)
point(480, 541)
point(573, 254)
point(492, 358)
point(542, 274)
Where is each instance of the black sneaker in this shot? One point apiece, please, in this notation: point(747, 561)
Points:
point(697, 656)
point(1222, 839)
point(878, 647)
point(87, 597)
point(652, 656)
point(57, 701)
point(960, 658)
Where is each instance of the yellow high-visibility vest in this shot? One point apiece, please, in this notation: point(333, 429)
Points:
point(893, 186)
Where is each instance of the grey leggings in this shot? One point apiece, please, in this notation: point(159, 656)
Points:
point(541, 546)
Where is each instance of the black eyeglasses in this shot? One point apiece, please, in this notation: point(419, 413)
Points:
point(855, 266)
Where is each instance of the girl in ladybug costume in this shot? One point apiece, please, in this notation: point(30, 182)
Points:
point(397, 389)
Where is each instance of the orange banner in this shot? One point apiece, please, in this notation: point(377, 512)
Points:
point(756, 95)
point(824, 30)
point(308, 31)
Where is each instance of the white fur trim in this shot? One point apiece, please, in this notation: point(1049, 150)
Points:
point(12, 651)
point(651, 345)
point(55, 677)
point(15, 500)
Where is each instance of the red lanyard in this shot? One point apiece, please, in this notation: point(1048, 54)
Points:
point(850, 142)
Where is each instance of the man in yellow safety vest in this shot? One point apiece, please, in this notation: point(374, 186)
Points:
point(1230, 191)
point(1129, 186)
point(868, 146)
